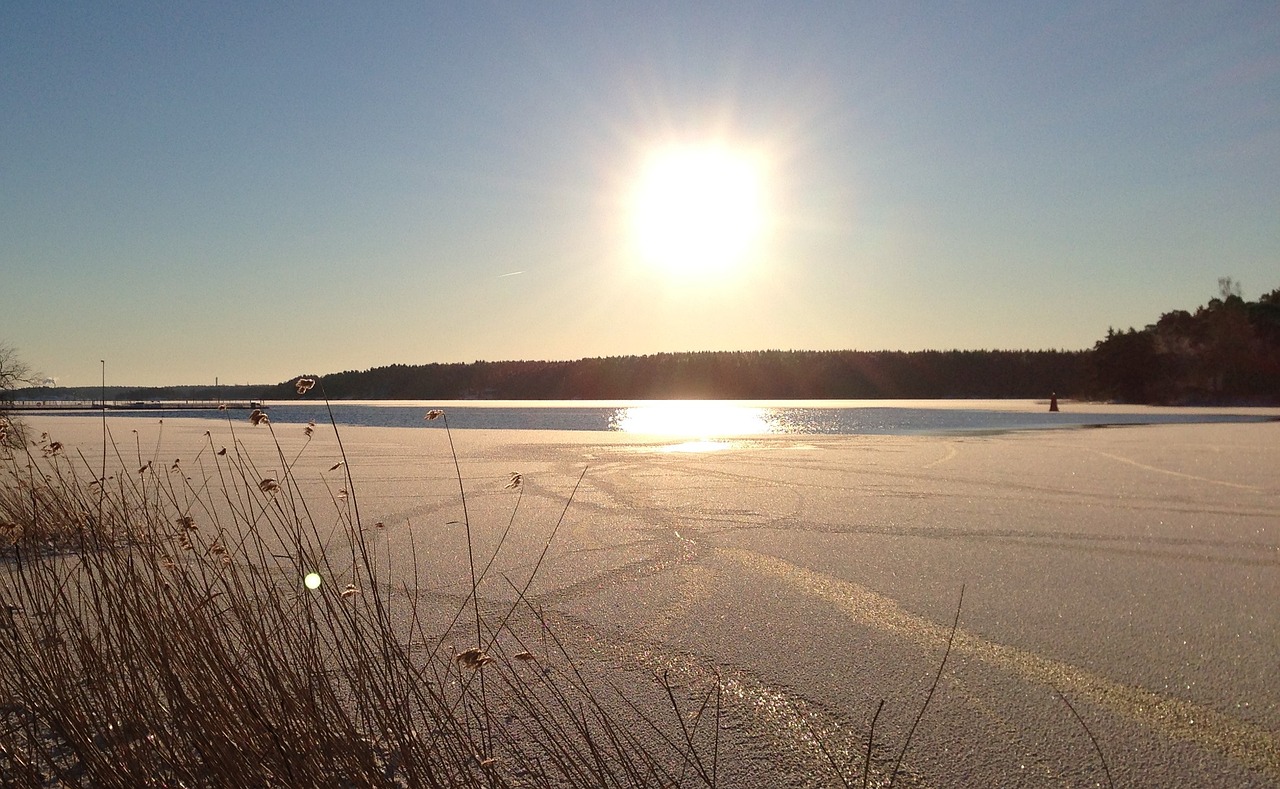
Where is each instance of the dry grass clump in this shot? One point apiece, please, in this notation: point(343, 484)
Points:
point(160, 629)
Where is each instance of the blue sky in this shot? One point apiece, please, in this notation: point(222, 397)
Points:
point(248, 191)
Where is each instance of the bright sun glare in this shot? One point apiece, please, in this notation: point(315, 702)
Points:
point(699, 208)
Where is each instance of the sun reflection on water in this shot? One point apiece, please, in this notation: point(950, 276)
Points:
point(697, 421)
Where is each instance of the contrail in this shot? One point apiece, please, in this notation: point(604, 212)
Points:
point(510, 274)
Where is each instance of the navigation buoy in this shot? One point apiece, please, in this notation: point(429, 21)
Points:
point(1053, 402)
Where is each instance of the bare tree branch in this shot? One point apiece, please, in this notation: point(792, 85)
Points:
point(13, 371)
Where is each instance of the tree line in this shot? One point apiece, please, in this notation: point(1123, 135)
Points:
point(737, 375)
point(1227, 351)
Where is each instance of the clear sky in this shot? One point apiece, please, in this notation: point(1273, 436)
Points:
point(249, 191)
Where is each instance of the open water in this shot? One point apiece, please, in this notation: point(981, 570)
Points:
point(729, 418)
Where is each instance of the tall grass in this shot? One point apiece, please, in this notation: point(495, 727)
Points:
point(158, 627)
point(206, 622)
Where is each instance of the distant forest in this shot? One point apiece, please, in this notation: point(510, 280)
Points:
point(746, 375)
point(1227, 351)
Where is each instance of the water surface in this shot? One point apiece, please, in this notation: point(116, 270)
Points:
point(707, 419)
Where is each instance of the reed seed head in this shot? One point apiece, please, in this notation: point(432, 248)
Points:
point(433, 414)
point(256, 417)
point(304, 385)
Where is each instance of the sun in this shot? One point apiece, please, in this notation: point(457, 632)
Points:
point(698, 208)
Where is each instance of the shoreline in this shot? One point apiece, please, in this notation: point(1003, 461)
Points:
point(704, 421)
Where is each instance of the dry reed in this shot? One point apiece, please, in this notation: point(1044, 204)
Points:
point(156, 630)
point(159, 629)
